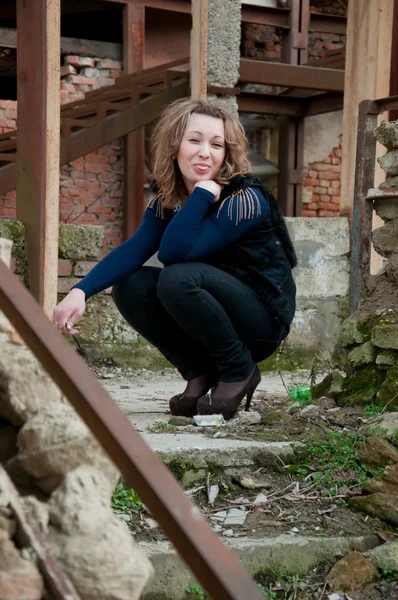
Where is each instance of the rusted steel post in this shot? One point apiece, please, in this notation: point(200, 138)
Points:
point(134, 142)
point(361, 227)
point(38, 73)
point(57, 582)
point(215, 567)
point(199, 39)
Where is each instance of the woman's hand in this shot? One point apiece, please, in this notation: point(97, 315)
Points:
point(211, 186)
point(69, 310)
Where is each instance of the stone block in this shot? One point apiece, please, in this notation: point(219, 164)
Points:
point(83, 267)
point(79, 61)
point(64, 267)
point(19, 578)
point(324, 278)
point(362, 355)
point(387, 134)
point(389, 162)
point(26, 388)
point(376, 452)
point(385, 239)
point(66, 283)
point(386, 208)
point(80, 242)
point(15, 231)
point(385, 336)
point(313, 237)
point(352, 573)
point(5, 251)
point(350, 333)
point(379, 505)
point(392, 268)
point(390, 182)
point(387, 359)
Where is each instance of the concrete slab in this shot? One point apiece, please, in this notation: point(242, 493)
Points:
point(284, 554)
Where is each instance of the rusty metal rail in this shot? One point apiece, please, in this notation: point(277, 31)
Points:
point(105, 114)
point(218, 571)
point(361, 230)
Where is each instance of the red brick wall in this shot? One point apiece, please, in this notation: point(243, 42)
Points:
point(322, 186)
point(91, 186)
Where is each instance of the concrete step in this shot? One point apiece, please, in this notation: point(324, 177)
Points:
point(145, 403)
point(283, 554)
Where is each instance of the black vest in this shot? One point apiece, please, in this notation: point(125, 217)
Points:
point(263, 257)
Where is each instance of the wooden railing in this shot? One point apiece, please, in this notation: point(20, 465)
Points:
point(361, 230)
point(219, 572)
point(106, 114)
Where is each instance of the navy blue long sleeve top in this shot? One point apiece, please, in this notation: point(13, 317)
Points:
point(191, 235)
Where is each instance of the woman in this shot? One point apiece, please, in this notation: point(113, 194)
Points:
point(226, 297)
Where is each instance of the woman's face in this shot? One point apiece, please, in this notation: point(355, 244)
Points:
point(202, 150)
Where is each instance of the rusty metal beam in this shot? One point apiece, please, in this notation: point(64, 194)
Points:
point(311, 78)
point(361, 229)
point(327, 23)
point(213, 565)
point(134, 142)
point(57, 582)
point(269, 104)
point(38, 73)
point(324, 103)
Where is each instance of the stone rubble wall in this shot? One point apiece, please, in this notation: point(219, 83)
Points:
point(91, 187)
point(370, 335)
point(66, 481)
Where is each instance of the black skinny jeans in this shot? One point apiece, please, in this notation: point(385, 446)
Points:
point(200, 318)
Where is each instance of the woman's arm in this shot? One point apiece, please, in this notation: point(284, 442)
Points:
point(126, 258)
point(191, 235)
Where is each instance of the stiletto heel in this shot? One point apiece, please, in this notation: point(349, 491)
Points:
point(249, 399)
point(207, 405)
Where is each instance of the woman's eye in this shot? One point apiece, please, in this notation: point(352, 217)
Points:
point(217, 145)
point(193, 140)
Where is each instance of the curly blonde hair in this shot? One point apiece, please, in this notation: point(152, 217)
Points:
point(167, 138)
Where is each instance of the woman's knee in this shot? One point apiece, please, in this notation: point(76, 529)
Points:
point(173, 278)
point(135, 288)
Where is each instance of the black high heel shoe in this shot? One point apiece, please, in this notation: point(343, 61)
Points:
point(207, 405)
point(186, 406)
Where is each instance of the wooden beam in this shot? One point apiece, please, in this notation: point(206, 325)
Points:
point(8, 39)
point(134, 142)
point(324, 103)
point(311, 78)
point(38, 74)
point(367, 76)
point(200, 24)
point(269, 104)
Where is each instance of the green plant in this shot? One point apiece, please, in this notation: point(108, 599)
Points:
point(371, 411)
point(125, 499)
point(163, 427)
point(331, 462)
point(268, 594)
point(394, 438)
point(196, 592)
point(388, 570)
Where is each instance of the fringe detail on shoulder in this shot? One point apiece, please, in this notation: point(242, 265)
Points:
point(243, 203)
point(154, 203)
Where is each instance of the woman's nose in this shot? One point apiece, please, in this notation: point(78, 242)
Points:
point(204, 151)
